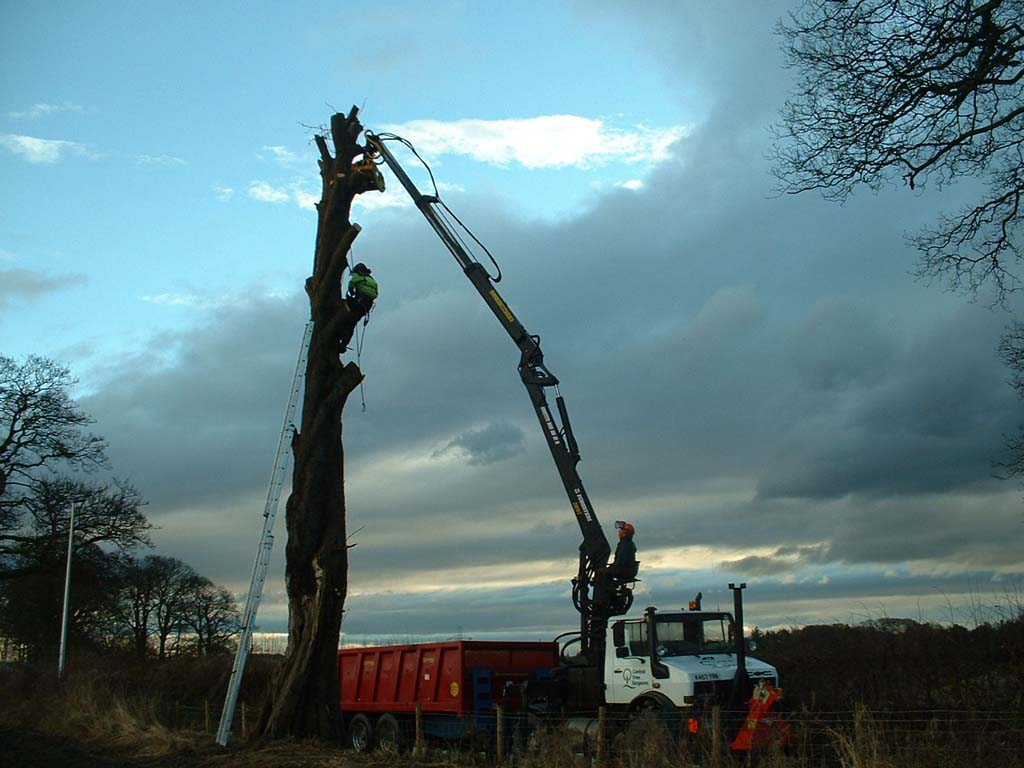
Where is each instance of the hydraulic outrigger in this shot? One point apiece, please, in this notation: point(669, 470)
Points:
point(537, 378)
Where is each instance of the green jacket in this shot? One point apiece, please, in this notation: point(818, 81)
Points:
point(362, 285)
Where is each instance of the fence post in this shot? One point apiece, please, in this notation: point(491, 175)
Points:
point(602, 718)
point(206, 715)
point(860, 730)
point(245, 728)
point(419, 750)
point(716, 737)
point(501, 734)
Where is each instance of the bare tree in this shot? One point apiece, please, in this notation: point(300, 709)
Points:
point(163, 598)
point(41, 429)
point(30, 606)
point(210, 614)
point(104, 514)
point(172, 581)
point(133, 608)
point(305, 696)
point(1011, 350)
point(920, 90)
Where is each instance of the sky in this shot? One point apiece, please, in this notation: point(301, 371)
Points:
point(756, 381)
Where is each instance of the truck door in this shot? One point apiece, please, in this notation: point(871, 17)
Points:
point(628, 663)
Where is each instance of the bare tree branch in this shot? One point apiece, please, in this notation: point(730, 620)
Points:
point(916, 90)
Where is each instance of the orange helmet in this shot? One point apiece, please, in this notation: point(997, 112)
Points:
point(626, 529)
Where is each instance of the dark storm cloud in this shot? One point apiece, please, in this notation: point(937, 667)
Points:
point(194, 417)
point(930, 422)
point(18, 284)
point(743, 372)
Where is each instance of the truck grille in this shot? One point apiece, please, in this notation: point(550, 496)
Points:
point(712, 693)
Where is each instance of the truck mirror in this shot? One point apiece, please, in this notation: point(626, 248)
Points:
point(619, 634)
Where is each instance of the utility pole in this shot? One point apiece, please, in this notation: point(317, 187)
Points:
point(67, 594)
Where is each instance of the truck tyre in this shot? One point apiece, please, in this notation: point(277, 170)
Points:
point(651, 722)
point(389, 734)
point(360, 733)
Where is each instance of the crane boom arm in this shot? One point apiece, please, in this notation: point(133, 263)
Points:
point(534, 373)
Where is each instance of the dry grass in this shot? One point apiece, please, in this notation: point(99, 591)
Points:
point(88, 709)
point(97, 711)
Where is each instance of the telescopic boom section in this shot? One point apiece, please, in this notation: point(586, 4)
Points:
point(595, 550)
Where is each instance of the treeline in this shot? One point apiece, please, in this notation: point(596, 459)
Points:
point(149, 605)
point(900, 664)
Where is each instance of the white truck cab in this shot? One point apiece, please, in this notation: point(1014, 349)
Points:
point(692, 660)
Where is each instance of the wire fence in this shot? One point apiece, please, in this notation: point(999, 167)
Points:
point(941, 737)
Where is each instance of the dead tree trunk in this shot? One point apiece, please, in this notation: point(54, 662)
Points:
point(305, 695)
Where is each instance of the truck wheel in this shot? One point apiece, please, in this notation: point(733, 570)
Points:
point(649, 727)
point(389, 734)
point(360, 733)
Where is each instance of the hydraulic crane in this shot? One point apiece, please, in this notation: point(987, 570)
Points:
point(595, 551)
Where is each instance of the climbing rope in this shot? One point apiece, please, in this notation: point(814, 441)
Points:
point(359, 355)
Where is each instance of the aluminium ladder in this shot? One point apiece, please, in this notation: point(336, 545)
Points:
point(266, 545)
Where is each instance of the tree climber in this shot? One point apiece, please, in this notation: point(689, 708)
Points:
point(362, 292)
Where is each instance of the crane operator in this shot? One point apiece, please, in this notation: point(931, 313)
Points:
point(624, 565)
point(623, 568)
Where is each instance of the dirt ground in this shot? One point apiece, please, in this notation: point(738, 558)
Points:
point(26, 749)
point(31, 750)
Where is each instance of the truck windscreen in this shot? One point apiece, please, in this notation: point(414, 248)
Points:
point(684, 634)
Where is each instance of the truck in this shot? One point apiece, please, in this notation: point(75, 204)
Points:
point(677, 663)
point(457, 685)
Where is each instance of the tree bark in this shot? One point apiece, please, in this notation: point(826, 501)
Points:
point(305, 698)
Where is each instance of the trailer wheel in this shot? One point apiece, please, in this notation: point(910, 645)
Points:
point(389, 734)
point(360, 733)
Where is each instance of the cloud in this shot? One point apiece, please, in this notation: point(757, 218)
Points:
point(22, 285)
point(307, 200)
point(486, 445)
point(36, 150)
point(222, 193)
point(266, 193)
point(394, 197)
point(159, 160)
point(783, 560)
point(283, 156)
point(173, 299)
point(753, 381)
point(43, 109)
point(204, 300)
point(550, 141)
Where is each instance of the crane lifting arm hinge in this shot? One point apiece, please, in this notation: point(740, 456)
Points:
point(557, 429)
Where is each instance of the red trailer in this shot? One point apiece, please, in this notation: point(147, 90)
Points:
point(458, 684)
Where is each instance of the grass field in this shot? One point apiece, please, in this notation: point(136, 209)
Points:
point(117, 718)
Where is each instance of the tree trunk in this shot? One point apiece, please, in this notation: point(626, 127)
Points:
point(305, 695)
